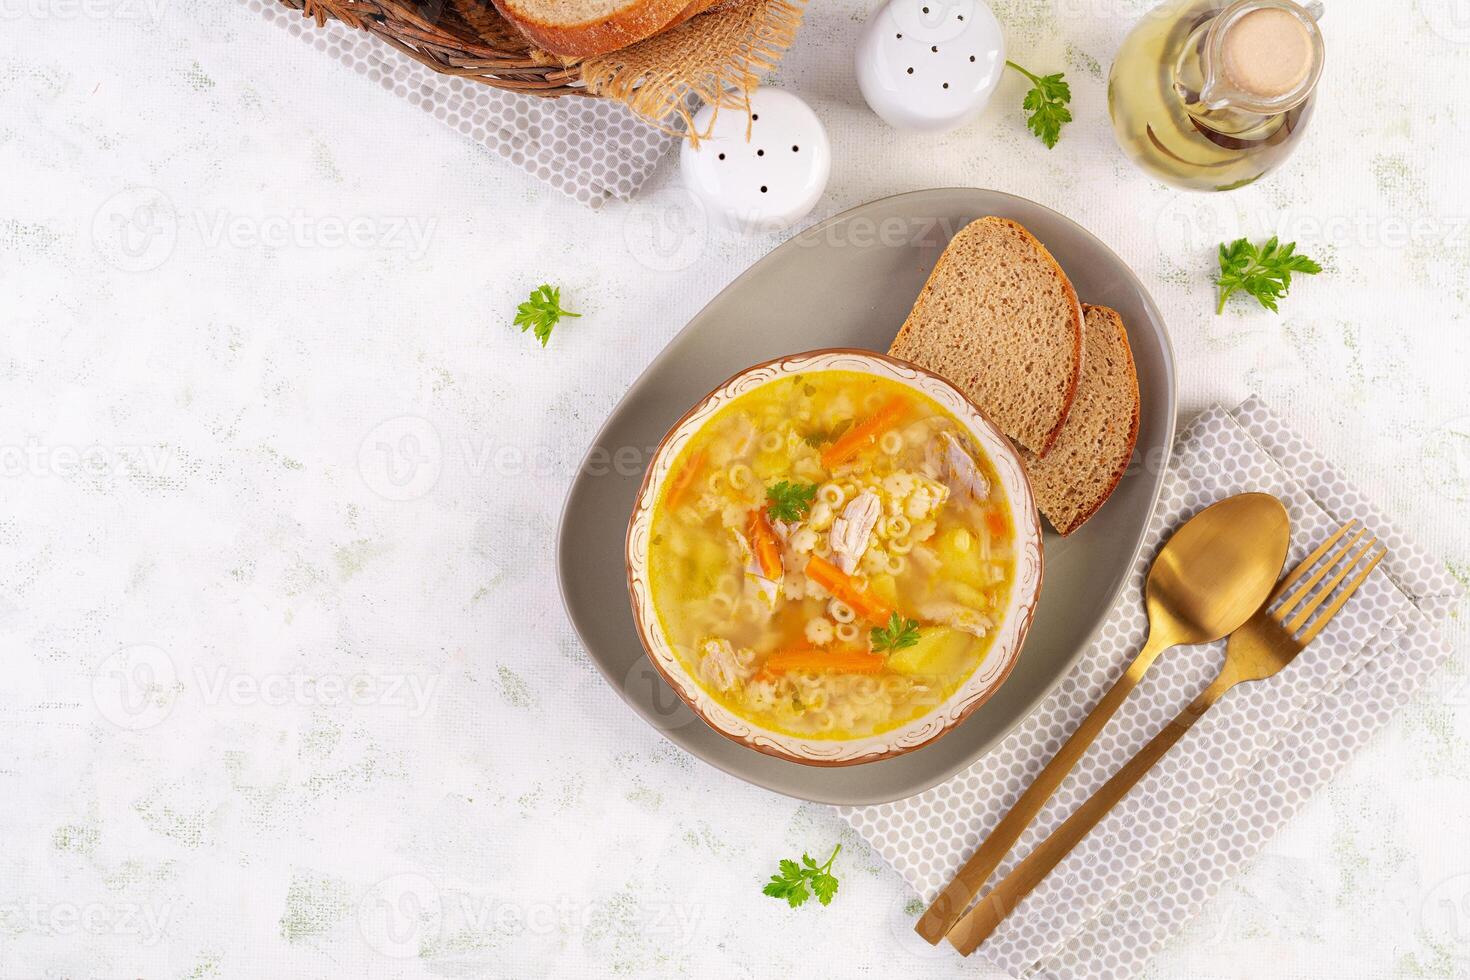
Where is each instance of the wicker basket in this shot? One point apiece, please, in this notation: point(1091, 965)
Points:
point(454, 37)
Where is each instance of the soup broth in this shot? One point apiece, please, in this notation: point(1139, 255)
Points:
point(831, 555)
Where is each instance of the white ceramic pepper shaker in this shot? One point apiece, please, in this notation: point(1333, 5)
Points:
point(930, 65)
point(767, 182)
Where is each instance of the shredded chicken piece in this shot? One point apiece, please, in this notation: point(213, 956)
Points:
point(962, 618)
point(721, 667)
point(745, 442)
point(947, 459)
point(854, 529)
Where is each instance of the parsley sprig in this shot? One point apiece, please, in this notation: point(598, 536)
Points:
point(793, 881)
point(1263, 272)
point(1047, 102)
point(542, 312)
point(790, 501)
point(898, 634)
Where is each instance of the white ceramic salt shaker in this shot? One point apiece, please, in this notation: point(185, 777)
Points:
point(930, 65)
point(768, 182)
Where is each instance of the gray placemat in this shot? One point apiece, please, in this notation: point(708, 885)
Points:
point(589, 149)
point(1213, 801)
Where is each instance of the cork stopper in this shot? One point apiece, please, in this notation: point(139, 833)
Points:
point(1268, 53)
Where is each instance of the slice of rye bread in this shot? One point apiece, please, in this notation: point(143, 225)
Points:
point(999, 318)
point(1092, 453)
point(584, 28)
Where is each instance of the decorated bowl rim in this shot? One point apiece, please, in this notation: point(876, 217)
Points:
point(1005, 648)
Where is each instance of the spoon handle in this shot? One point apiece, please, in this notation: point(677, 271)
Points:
point(957, 895)
point(982, 920)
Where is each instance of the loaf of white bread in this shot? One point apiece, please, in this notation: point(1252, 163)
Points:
point(999, 318)
point(583, 28)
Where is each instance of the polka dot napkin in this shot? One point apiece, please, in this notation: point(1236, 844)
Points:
point(589, 149)
point(1243, 769)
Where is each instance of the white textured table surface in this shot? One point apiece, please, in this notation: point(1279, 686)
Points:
point(285, 452)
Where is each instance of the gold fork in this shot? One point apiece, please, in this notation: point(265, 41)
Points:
point(1258, 650)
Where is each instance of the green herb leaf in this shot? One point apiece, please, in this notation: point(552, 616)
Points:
point(790, 501)
point(542, 312)
point(817, 438)
point(898, 634)
point(1263, 272)
point(796, 882)
point(1047, 102)
point(825, 886)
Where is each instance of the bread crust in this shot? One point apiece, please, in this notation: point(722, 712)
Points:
point(1051, 438)
point(1127, 457)
point(627, 26)
point(702, 7)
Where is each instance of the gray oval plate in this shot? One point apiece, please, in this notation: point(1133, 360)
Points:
point(849, 282)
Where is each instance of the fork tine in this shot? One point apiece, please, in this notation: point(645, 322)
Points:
point(1300, 617)
point(1328, 564)
point(1342, 598)
point(1312, 559)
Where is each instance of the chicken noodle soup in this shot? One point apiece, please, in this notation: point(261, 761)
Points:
point(831, 555)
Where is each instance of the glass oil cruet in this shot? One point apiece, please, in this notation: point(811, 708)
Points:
point(1211, 94)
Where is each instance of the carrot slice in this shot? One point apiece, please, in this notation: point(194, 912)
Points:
point(681, 483)
point(823, 662)
point(846, 588)
point(860, 437)
point(995, 521)
point(765, 544)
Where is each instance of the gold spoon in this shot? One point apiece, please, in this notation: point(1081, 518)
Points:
point(1210, 577)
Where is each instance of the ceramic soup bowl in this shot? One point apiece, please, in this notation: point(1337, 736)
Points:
point(1007, 635)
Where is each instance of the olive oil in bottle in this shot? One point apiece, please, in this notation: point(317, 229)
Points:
point(1211, 94)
